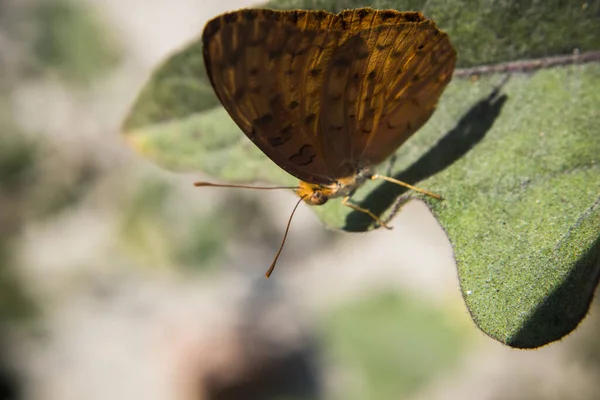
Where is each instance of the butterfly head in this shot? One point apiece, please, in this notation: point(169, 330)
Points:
point(314, 194)
point(317, 194)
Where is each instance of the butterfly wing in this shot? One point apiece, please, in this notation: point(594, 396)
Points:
point(323, 95)
point(401, 66)
point(266, 68)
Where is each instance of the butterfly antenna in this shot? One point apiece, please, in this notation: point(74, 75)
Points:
point(209, 184)
point(287, 228)
point(397, 182)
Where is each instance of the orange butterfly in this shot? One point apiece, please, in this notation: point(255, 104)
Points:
point(327, 96)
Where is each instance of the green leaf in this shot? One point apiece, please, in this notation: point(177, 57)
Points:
point(516, 158)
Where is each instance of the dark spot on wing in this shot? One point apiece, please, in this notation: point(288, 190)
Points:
point(239, 94)
point(275, 53)
point(310, 119)
point(271, 14)
point(293, 16)
point(267, 118)
point(211, 28)
point(264, 120)
point(305, 155)
point(250, 14)
point(413, 17)
point(231, 17)
point(385, 15)
point(285, 135)
point(315, 72)
point(319, 15)
point(235, 57)
point(362, 13)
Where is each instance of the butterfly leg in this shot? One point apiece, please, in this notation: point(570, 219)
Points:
point(397, 182)
point(346, 202)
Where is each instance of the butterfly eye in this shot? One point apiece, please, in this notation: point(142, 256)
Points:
point(318, 198)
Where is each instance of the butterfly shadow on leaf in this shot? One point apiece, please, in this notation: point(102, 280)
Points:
point(469, 130)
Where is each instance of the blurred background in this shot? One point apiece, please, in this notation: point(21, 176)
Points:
point(120, 280)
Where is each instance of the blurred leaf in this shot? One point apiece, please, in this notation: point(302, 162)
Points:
point(397, 345)
point(15, 303)
point(63, 192)
point(153, 231)
point(72, 41)
point(236, 218)
point(17, 160)
point(39, 187)
point(17, 155)
point(143, 225)
point(204, 243)
point(518, 166)
point(181, 79)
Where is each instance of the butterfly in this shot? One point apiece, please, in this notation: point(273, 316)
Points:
point(327, 97)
